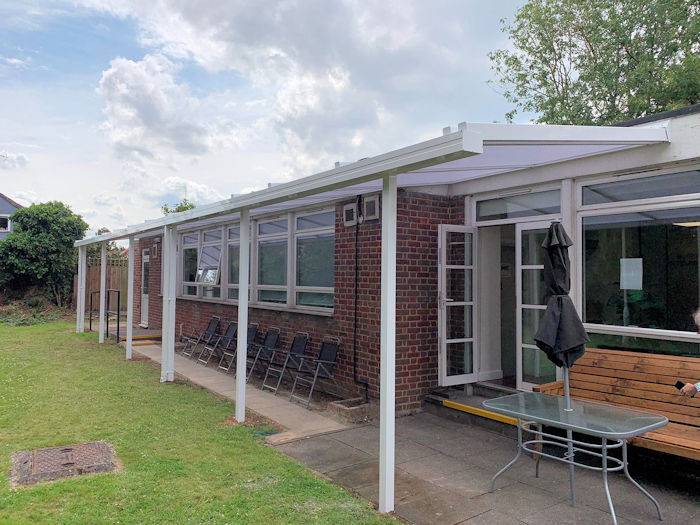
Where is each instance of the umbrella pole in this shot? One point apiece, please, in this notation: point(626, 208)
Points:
point(569, 435)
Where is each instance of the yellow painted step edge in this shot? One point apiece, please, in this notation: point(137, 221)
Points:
point(481, 412)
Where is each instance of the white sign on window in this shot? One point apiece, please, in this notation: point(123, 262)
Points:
point(631, 274)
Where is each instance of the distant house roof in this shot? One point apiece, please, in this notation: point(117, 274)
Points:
point(688, 110)
point(13, 203)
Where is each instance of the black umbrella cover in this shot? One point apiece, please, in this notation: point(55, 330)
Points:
point(561, 334)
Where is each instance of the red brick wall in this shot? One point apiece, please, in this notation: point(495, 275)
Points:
point(416, 318)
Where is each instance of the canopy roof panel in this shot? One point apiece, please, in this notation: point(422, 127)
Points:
point(474, 151)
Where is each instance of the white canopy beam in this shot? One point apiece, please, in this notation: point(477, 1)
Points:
point(169, 254)
point(130, 299)
point(103, 292)
point(80, 299)
point(387, 368)
point(242, 343)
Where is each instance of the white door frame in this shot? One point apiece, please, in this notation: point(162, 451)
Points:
point(145, 259)
point(519, 267)
point(444, 302)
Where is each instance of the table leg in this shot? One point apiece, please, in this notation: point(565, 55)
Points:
point(570, 457)
point(641, 489)
point(512, 462)
point(604, 451)
point(538, 457)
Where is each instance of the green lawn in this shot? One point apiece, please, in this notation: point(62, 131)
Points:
point(181, 463)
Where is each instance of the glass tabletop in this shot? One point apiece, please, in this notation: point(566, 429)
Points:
point(587, 417)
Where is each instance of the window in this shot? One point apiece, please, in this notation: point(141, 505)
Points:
point(641, 270)
point(292, 261)
point(4, 224)
point(516, 206)
point(687, 182)
point(208, 269)
point(190, 250)
point(315, 259)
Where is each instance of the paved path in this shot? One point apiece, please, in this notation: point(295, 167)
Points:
point(297, 420)
point(443, 471)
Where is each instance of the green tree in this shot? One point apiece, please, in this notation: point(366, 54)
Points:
point(184, 205)
point(113, 250)
point(600, 61)
point(39, 251)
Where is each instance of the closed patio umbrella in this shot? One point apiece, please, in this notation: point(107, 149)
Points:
point(561, 334)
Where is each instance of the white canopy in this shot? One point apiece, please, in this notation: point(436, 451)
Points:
point(472, 152)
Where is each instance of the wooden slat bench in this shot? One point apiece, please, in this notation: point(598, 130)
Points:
point(645, 382)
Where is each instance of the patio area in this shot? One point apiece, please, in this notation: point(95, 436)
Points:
point(443, 471)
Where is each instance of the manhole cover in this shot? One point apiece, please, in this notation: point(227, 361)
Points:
point(45, 464)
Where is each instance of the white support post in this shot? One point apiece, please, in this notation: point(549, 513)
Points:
point(130, 299)
point(103, 291)
point(169, 254)
point(80, 299)
point(242, 343)
point(387, 370)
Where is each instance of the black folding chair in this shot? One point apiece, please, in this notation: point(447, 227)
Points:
point(227, 340)
point(228, 356)
point(262, 353)
point(310, 369)
point(206, 337)
point(280, 361)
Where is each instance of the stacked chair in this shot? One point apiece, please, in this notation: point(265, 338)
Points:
point(280, 361)
point(311, 369)
point(222, 343)
point(261, 354)
point(228, 355)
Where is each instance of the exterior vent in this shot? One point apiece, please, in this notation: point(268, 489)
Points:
point(370, 208)
point(350, 214)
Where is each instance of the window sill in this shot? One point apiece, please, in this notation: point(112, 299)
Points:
point(264, 306)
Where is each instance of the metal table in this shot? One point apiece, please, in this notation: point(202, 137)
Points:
point(611, 424)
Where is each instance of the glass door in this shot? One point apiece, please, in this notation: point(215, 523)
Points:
point(456, 308)
point(533, 367)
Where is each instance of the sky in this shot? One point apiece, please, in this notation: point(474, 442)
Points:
point(116, 107)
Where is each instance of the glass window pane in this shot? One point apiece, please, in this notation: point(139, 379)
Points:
point(527, 205)
point(212, 235)
point(234, 233)
point(145, 278)
point(641, 269)
point(189, 239)
point(458, 321)
point(531, 323)
point(320, 300)
point(459, 284)
point(643, 344)
point(234, 251)
point(233, 293)
point(316, 260)
point(459, 248)
point(645, 188)
point(459, 358)
point(272, 296)
point(273, 227)
point(272, 262)
point(209, 264)
point(537, 368)
point(317, 220)
point(212, 292)
point(533, 287)
point(189, 289)
point(531, 244)
point(189, 264)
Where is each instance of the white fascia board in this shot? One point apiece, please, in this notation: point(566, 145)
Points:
point(503, 134)
point(424, 154)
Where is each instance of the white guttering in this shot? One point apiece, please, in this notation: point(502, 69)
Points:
point(435, 151)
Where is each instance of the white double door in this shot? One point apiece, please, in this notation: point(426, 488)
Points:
point(458, 355)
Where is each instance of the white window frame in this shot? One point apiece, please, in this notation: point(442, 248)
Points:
point(510, 192)
point(623, 207)
point(182, 248)
point(203, 244)
point(300, 234)
point(290, 236)
point(9, 223)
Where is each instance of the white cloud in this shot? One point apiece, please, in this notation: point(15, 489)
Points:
point(173, 189)
point(26, 198)
point(11, 161)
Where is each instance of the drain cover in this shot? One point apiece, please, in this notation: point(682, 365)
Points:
point(45, 464)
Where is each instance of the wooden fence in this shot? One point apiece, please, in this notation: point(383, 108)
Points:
point(117, 279)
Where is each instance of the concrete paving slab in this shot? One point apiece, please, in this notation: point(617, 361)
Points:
point(491, 517)
point(434, 466)
point(518, 500)
point(473, 481)
point(439, 507)
point(357, 475)
point(324, 454)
